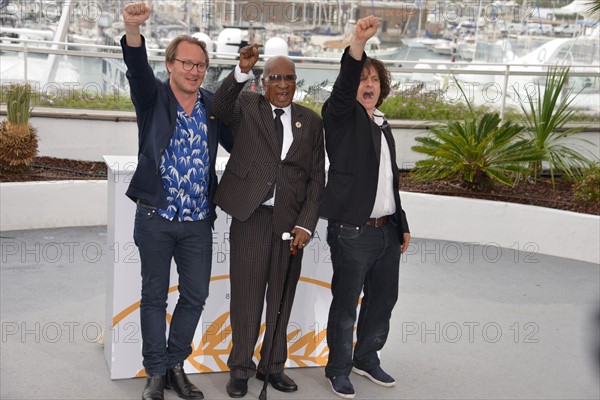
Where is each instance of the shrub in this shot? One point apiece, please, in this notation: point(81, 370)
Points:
point(475, 151)
point(418, 105)
point(587, 186)
point(544, 114)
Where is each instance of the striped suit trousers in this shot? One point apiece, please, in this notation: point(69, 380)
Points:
point(259, 262)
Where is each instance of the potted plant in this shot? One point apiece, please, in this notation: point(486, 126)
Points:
point(475, 151)
point(545, 112)
point(18, 139)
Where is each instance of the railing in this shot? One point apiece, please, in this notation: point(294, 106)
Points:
point(481, 80)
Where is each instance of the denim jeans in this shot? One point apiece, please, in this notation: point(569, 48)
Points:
point(190, 244)
point(367, 259)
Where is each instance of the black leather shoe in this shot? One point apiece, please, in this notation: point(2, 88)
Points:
point(279, 381)
point(155, 388)
point(237, 387)
point(177, 380)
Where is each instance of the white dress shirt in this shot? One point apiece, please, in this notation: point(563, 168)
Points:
point(384, 199)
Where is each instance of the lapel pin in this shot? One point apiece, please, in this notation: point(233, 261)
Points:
point(298, 125)
point(212, 117)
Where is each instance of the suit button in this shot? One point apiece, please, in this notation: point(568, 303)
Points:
point(269, 183)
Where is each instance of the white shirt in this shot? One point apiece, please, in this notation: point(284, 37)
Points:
point(288, 138)
point(384, 199)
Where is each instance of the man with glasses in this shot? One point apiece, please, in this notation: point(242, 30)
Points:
point(272, 184)
point(173, 185)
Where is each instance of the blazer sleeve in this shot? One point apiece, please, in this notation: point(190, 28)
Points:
point(404, 222)
point(143, 85)
point(225, 104)
point(224, 134)
point(309, 214)
point(340, 106)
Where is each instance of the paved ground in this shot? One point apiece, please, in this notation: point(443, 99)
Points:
point(472, 322)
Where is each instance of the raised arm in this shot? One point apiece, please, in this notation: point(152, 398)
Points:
point(225, 106)
point(142, 83)
point(340, 106)
point(365, 29)
point(134, 15)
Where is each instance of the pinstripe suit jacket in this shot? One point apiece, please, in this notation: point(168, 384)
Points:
point(255, 161)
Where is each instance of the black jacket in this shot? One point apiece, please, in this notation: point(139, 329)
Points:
point(156, 111)
point(353, 144)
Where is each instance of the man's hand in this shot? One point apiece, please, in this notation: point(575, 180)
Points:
point(134, 15)
point(248, 57)
point(365, 29)
point(301, 238)
point(405, 241)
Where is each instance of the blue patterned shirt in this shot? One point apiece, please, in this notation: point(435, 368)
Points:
point(184, 167)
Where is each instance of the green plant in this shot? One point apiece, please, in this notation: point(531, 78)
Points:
point(19, 105)
point(18, 139)
point(415, 104)
point(593, 10)
point(313, 105)
point(544, 114)
point(475, 151)
point(82, 99)
point(587, 186)
point(76, 99)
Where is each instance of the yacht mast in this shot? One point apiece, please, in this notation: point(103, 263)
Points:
point(60, 36)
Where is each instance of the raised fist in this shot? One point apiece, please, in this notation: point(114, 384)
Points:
point(135, 14)
point(366, 28)
point(248, 57)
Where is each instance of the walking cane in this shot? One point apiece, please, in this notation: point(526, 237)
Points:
point(263, 392)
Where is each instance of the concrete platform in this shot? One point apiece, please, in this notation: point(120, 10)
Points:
point(472, 322)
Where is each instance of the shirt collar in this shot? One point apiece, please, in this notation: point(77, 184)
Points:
point(286, 110)
point(378, 117)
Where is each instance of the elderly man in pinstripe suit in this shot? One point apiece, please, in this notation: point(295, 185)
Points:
point(272, 184)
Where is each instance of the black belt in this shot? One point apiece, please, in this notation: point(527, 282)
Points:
point(141, 203)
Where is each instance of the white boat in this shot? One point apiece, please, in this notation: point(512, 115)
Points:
point(40, 35)
point(84, 42)
point(466, 48)
point(581, 55)
point(421, 42)
point(335, 48)
point(444, 48)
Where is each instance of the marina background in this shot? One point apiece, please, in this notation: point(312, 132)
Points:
point(497, 48)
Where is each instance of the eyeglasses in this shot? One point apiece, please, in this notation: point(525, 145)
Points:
point(278, 77)
point(188, 65)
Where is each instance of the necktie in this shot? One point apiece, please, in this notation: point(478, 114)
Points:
point(279, 130)
point(279, 126)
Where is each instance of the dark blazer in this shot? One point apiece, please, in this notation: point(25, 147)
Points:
point(255, 161)
point(353, 143)
point(156, 111)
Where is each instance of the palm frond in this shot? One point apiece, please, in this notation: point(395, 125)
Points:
point(593, 10)
point(545, 112)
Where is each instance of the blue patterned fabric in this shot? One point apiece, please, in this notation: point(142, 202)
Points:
point(184, 167)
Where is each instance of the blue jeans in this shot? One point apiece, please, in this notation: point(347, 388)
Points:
point(159, 241)
point(367, 259)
